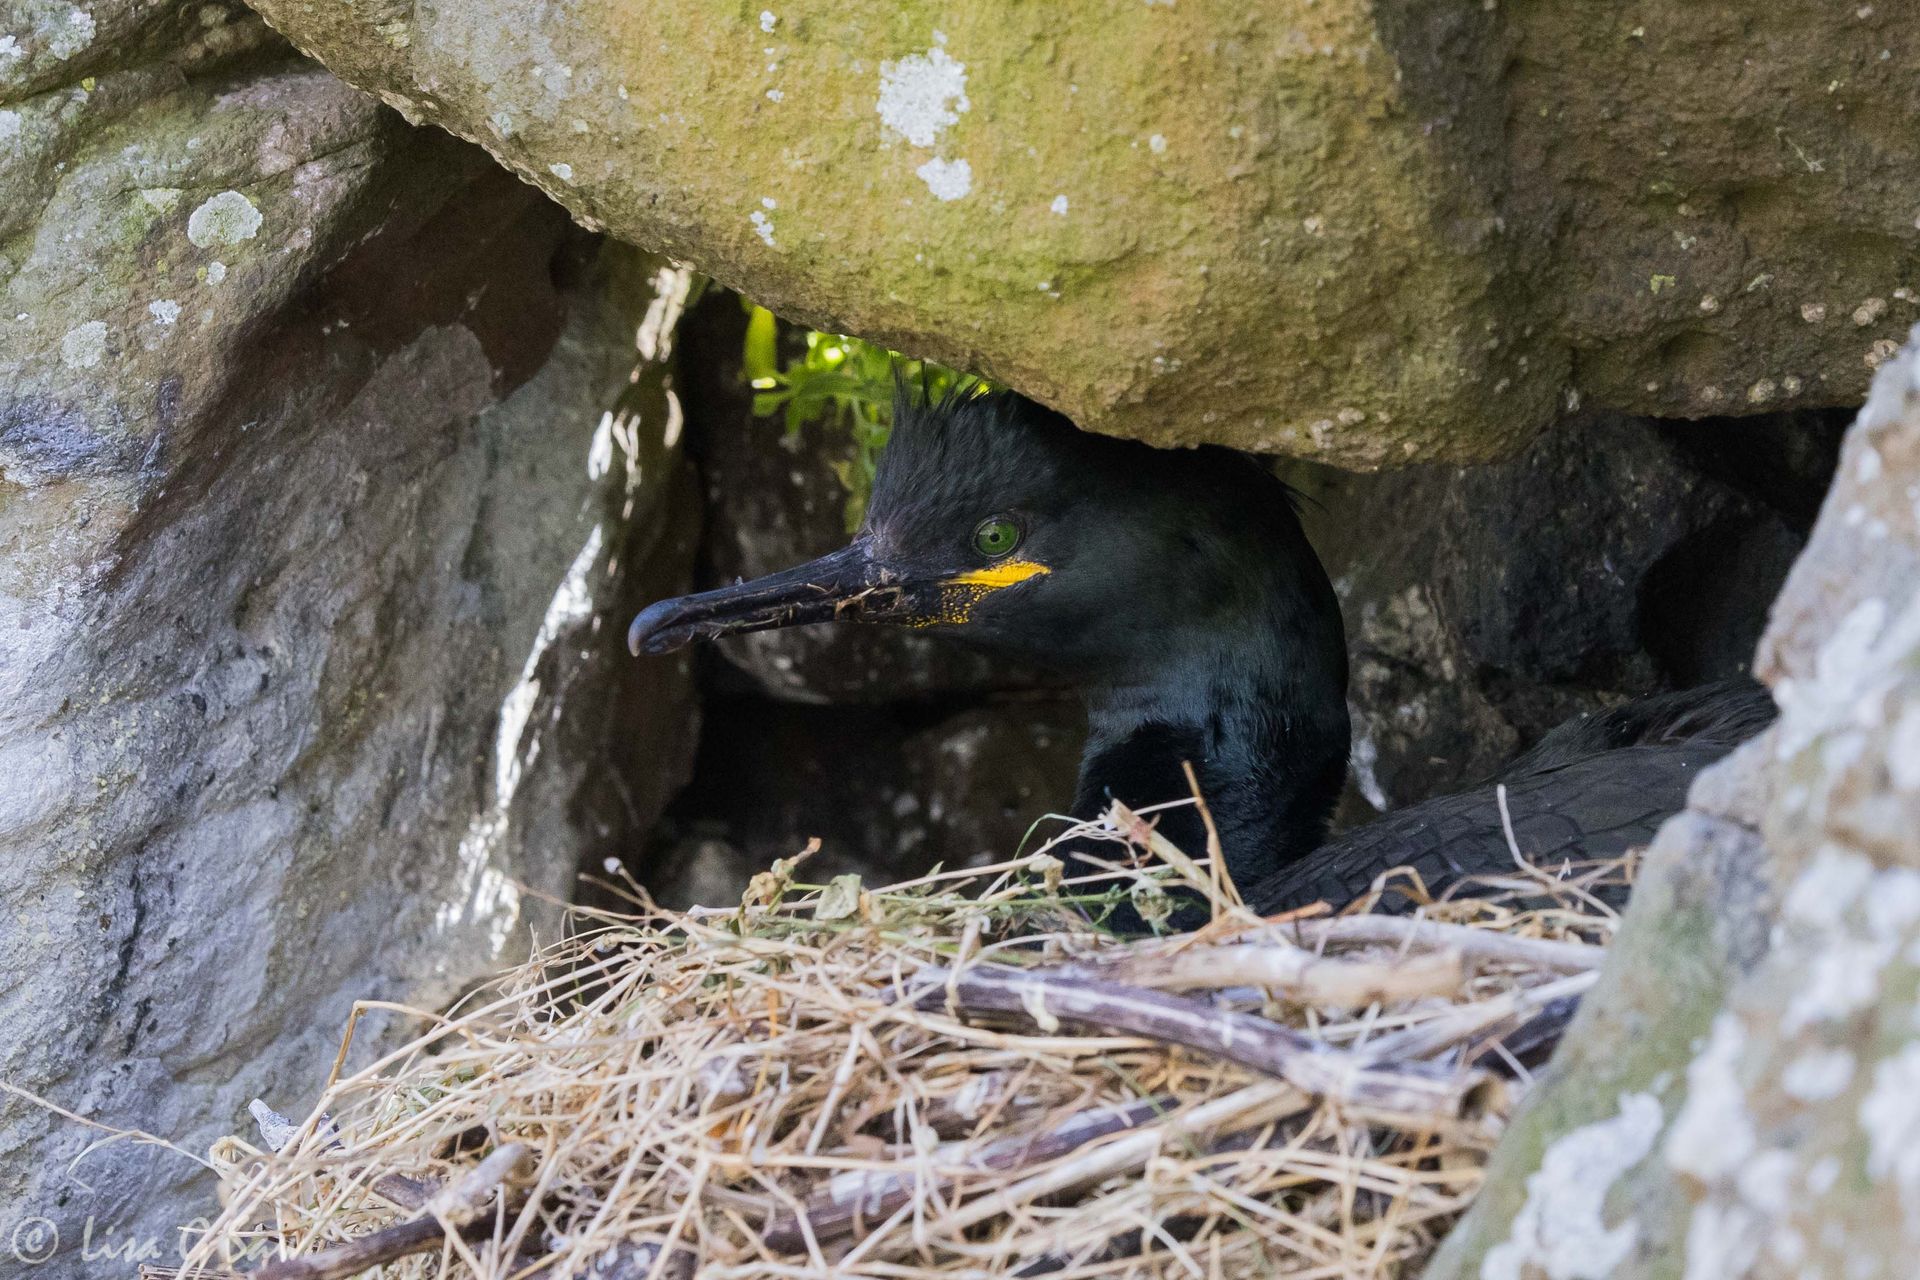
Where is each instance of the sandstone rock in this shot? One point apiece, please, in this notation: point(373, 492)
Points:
point(1777, 1048)
point(315, 543)
point(1369, 234)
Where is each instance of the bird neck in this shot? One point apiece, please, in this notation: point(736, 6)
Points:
point(1264, 727)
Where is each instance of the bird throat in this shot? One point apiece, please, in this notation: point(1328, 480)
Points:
point(1268, 753)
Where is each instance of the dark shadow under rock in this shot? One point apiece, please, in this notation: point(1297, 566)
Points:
point(1615, 558)
point(890, 791)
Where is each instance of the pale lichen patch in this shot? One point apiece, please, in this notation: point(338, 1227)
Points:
point(1713, 1133)
point(1766, 1183)
point(562, 171)
point(922, 94)
point(9, 126)
point(1059, 205)
point(1890, 1116)
point(1842, 978)
point(1817, 1075)
point(1824, 890)
point(1561, 1230)
point(1723, 1240)
point(947, 179)
point(85, 345)
point(165, 311)
point(1903, 750)
point(762, 226)
point(227, 218)
point(70, 35)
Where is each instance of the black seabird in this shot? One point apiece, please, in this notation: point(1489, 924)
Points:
point(1177, 591)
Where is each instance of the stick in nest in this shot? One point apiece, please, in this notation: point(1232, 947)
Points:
point(1419, 1093)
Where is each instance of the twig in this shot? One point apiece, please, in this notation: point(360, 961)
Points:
point(459, 1209)
point(280, 1133)
point(1457, 1024)
point(1224, 889)
point(390, 1244)
point(1416, 1092)
point(1256, 1104)
point(1471, 943)
point(849, 1199)
point(1144, 834)
point(1298, 974)
point(1532, 870)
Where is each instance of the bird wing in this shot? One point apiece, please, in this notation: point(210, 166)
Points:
point(1588, 793)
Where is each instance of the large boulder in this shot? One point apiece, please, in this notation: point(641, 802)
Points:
point(328, 474)
point(1368, 233)
point(1741, 1095)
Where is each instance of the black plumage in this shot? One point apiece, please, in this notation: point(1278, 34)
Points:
point(1177, 591)
point(1589, 792)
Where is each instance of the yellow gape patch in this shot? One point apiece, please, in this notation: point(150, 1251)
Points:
point(961, 593)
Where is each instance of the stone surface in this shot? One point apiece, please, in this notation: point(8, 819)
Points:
point(774, 501)
point(318, 526)
point(1779, 1043)
point(1613, 558)
point(1370, 234)
point(890, 791)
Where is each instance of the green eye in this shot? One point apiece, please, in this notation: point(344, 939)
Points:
point(995, 537)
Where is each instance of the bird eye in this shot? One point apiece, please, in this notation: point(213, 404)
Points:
point(996, 536)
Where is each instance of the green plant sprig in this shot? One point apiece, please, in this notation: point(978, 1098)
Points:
point(842, 382)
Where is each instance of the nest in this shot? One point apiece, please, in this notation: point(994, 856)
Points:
point(958, 1075)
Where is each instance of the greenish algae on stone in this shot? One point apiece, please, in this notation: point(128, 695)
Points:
point(1182, 223)
point(1365, 233)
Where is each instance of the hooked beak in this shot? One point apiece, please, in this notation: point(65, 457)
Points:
point(848, 585)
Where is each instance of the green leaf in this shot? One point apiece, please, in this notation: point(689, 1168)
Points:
point(761, 359)
point(840, 899)
point(840, 384)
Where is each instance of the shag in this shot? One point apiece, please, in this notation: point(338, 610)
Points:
point(1176, 590)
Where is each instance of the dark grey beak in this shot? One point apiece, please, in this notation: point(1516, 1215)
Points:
point(848, 584)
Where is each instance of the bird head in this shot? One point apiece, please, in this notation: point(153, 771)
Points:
point(997, 521)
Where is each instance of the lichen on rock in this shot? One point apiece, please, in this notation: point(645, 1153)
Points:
point(1369, 235)
point(301, 557)
point(1795, 1059)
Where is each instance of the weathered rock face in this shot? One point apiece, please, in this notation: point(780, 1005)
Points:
point(1371, 234)
point(316, 537)
point(1744, 1086)
point(1615, 557)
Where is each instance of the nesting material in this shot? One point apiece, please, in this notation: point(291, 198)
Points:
point(959, 1075)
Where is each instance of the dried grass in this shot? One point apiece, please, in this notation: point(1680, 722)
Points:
point(957, 1076)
